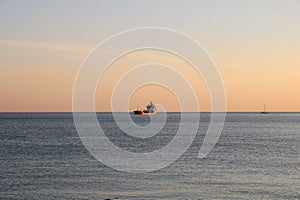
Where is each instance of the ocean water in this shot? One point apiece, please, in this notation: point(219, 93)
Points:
point(256, 157)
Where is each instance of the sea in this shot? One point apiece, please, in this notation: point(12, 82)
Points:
point(256, 157)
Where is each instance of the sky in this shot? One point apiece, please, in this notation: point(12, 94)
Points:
point(255, 45)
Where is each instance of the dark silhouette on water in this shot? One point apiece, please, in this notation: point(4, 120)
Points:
point(150, 109)
point(265, 110)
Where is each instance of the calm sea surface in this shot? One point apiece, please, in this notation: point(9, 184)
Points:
point(256, 157)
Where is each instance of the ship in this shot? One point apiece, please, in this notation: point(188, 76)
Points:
point(150, 109)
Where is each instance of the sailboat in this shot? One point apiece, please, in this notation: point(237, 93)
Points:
point(265, 110)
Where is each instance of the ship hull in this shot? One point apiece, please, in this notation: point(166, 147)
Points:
point(138, 112)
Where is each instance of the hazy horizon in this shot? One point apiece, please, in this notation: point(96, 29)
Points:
point(255, 45)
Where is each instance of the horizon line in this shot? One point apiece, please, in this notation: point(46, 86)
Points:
point(1, 112)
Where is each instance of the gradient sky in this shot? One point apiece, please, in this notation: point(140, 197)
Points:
point(255, 44)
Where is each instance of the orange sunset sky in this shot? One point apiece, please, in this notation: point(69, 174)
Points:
point(255, 44)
